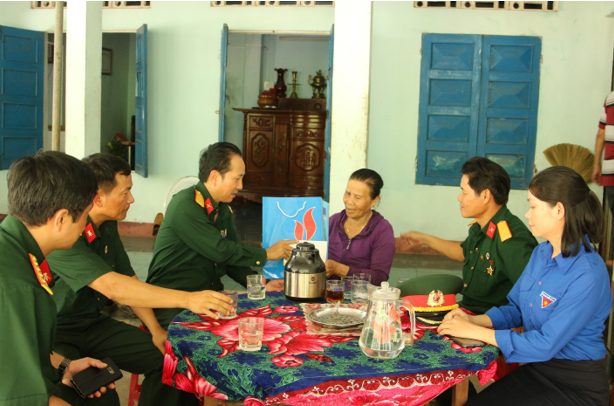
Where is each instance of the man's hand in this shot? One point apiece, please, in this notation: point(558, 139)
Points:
point(275, 285)
point(335, 268)
point(281, 249)
point(414, 239)
point(159, 339)
point(209, 301)
point(596, 177)
point(79, 365)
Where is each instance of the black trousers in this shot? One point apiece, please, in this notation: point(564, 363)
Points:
point(556, 383)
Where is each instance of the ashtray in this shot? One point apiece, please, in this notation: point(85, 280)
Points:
point(344, 317)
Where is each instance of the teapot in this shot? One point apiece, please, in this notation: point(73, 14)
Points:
point(382, 335)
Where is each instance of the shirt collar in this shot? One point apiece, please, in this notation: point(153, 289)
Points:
point(200, 186)
point(502, 214)
point(564, 264)
point(20, 233)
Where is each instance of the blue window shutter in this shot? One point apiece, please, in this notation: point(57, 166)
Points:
point(223, 65)
point(140, 121)
point(508, 109)
point(22, 64)
point(449, 105)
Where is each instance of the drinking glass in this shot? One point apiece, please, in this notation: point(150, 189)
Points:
point(363, 277)
point(256, 287)
point(360, 292)
point(235, 300)
point(334, 291)
point(250, 333)
point(347, 291)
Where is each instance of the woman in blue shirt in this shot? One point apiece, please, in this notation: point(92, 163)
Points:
point(562, 300)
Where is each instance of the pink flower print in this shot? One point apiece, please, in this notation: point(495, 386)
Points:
point(251, 401)
point(229, 332)
point(170, 364)
point(287, 361)
point(286, 309)
point(319, 357)
point(297, 342)
point(195, 383)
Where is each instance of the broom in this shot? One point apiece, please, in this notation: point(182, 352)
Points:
point(576, 157)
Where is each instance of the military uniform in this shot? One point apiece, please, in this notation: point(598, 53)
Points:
point(495, 256)
point(28, 315)
point(84, 331)
point(194, 249)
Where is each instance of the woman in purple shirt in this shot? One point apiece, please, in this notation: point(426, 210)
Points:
point(360, 239)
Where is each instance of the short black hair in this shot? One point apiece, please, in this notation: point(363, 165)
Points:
point(485, 174)
point(583, 213)
point(216, 157)
point(46, 182)
point(105, 167)
point(371, 179)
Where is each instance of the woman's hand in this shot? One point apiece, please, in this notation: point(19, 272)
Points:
point(79, 365)
point(457, 313)
point(335, 268)
point(463, 326)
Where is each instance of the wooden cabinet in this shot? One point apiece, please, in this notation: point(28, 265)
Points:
point(283, 152)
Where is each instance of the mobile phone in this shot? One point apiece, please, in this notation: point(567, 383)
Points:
point(92, 379)
point(467, 342)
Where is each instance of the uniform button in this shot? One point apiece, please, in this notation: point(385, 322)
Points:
point(465, 285)
point(472, 268)
point(99, 299)
point(482, 258)
point(532, 326)
point(476, 249)
point(257, 262)
point(530, 304)
point(539, 283)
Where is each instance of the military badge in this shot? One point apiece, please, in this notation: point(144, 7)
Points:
point(43, 274)
point(435, 298)
point(89, 233)
point(504, 230)
point(488, 256)
point(224, 233)
point(490, 270)
point(491, 229)
point(209, 206)
point(547, 299)
point(198, 198)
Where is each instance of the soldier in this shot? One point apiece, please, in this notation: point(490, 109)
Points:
point(49, 195)
point(96, 268)
point(499, 244)
point(197, 243)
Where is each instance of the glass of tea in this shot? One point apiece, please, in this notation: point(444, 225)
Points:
point(334, 291)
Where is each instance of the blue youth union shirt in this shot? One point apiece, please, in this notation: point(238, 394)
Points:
point(562, 304)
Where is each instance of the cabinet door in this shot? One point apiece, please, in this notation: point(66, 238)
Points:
point(307, 152)
point(259, 146)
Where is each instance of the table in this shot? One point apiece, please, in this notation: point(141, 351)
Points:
point(298, 368)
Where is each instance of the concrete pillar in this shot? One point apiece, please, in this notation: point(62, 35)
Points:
point(351, 71)
point(83, 66)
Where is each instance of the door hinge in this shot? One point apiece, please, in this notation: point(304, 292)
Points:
point(416, 164)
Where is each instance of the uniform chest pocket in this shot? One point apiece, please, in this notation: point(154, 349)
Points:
point(545, 302)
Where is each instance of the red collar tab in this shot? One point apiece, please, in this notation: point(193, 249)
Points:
point(89, 233)
point(209, 206)
point(43, 274)
point(491, 229)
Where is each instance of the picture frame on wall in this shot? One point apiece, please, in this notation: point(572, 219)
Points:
point(107, 61)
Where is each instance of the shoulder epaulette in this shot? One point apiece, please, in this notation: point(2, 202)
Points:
point(198, 198)
point(504, 230)
point(472, 223)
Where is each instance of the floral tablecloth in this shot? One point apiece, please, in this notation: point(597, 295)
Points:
point(295, 367)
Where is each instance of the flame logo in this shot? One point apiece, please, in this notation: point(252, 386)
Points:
point(307, 228)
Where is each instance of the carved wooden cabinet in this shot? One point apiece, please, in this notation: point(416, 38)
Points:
point(283, 152)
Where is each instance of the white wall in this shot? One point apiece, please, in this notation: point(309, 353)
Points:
point(575, 78)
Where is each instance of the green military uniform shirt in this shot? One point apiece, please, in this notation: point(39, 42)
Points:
point(491, 266)
point(28, 317)
point(97, 252)
point(194, 250)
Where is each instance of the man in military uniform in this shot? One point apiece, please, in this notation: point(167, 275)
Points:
point(96, 268)
point(498, 246)
point(49, 195)
point(197, 243)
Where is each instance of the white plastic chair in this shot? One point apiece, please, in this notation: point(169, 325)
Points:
point(182, 183)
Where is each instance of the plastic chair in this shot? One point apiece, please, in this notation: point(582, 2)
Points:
point(423, 285)
point(134, 392)
point(178, 186)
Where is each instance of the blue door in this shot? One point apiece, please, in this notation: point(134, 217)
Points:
point(478, 97)
point(140, 121)
point(508, 111)
point(223, 63)
point(329, 113)
point(22, 62)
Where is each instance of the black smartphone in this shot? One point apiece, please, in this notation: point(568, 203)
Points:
point(467, 342)
point(92, 379)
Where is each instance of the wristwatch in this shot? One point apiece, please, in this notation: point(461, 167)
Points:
point(63, 365)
